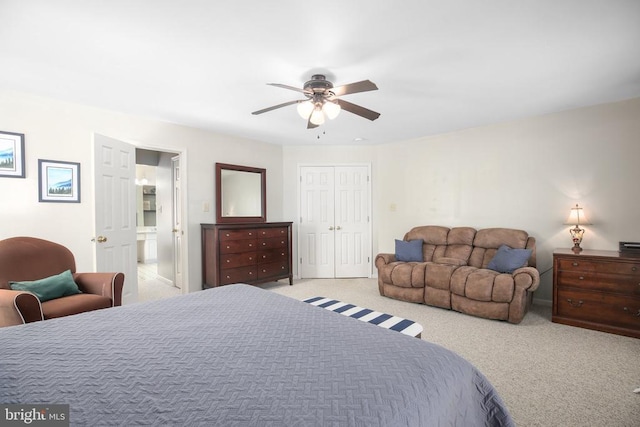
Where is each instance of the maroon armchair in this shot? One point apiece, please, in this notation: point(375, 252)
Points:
point(28, 259)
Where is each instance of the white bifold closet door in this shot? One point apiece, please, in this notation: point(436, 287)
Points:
point(334, 233)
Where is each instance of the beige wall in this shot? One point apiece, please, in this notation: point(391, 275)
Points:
point(523, 174)
point(61, 131)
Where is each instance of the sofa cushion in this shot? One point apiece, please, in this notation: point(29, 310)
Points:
point(410, 251)
point(508, 259)
point(435, 240)
point(49, 288)
point(74, 304)
point(488, 240)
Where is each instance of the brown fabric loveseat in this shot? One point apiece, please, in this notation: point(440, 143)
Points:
point(454, 273)
point(29, 259)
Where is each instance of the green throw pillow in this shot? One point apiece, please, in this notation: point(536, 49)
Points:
point(49, 288)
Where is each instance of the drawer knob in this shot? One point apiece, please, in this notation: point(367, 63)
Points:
point(575, 304)
point(264, 243)
point(581, 277)
point(575, 264)
point(251, 273)
point(264, 271)
point(250, 244)
point(629, 311)
point(228, 260)
point(265, 257)
point(250, 234)
point(250, 258)
point(634, 268)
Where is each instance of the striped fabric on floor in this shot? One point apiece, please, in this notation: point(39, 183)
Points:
point(388, 321)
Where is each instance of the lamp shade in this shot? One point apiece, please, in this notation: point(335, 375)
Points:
point(317, 116)
point(305, 108)
point(577, 217)
point(331, 109)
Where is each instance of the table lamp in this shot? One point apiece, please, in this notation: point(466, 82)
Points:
point(577, 218)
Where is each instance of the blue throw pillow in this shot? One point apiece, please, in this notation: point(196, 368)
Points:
point(508, 259)
point(49, 288)
point(409, 251)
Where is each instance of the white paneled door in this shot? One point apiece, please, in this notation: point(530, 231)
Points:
point(115, 207)
point(177, 221)
point(334, 234)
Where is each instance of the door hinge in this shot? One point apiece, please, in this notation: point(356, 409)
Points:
point(368, 259)
point(300, 260)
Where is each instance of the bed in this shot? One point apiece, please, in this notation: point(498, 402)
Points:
point(239, 355)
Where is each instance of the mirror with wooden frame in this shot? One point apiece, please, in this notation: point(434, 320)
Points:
point(240, 194)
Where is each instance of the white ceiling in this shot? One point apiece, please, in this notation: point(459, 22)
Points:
point(440, 65)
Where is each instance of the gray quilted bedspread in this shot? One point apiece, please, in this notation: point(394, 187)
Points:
point(240, 356)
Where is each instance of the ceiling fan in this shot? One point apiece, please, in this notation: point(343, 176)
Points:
point(322, 100)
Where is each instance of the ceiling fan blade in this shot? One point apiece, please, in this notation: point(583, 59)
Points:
point(284, 104)
point(358, 110)
point(297, 89)
point(363, 86)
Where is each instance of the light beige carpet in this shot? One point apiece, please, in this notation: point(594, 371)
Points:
point(548, 374)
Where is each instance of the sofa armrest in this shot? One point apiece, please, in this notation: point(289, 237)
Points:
point(18, 307)
point(526, 279)
point(384, 259)
point(105, 284)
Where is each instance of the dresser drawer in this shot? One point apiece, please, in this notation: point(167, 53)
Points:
point(274, 232)
point(575, 265)
point(273, 255)
point(624, 268)
point(236, 246)
point(627, 285)
point(238, 275)
point(273, 243)
point(238, 260)
point(599, 308)
point(249, 233)
point(273, 269)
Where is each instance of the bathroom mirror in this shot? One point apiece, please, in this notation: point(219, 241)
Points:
point(240, 194)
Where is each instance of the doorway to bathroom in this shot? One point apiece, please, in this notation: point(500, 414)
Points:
point(158, 224)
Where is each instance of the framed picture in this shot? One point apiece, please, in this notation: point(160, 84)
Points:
point(59, 181)
point(11, 154)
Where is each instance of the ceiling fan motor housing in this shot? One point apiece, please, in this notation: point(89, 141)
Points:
point(318, 84)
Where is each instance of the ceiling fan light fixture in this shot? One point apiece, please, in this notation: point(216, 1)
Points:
point(331, 109)
point(324, 99)
point(305, 108)
point(317, 116)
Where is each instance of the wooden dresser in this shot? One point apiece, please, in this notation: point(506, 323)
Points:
point(597, 290)
point(246, 253)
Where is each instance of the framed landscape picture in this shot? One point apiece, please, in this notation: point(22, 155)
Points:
point(59, 181)
point(11, 154)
